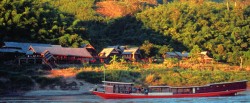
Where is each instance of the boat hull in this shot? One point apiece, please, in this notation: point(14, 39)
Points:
point(131, 96)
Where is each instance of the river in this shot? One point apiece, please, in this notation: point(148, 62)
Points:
point(243, 97)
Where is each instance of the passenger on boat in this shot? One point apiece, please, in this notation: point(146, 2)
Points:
point(134, 90)
point(139, 90)
point(95, 88)
point(142, 90)
point(129, 90)
point(145, 91)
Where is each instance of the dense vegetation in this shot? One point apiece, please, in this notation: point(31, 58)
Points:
point(210, 26)
point(160, 75)
point(32, 20)
point(223, 30)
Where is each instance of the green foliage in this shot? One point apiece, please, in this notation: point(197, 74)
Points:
point(4, 73)
point(246, 58)
point(45, 81)
point(90, 76)
point(188, 77)
point(168, 27)
point(37, 21)
point(71, 40)
point(170, 61)
point(165, 48)
point(82, 9)
point(210, 26)
point(21, 82)
point(114, 59)
point(194, 53)
point(121, 75)
point(147, 48)
point(161, 76)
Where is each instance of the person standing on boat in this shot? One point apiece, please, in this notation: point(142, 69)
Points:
point(130, 90)
point(142, 90)
point(146, 91)
point(134, 90)
point(139, 90)
point(114, 87)
point(95, 88)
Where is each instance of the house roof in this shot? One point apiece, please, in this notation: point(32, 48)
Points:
point(56, 46)
point(23, 46)
point(185, 54)
point(177, 54)
point(87, 46)
point(171, 53)
point(107, 51)
point(182, 54)
point(115, 47)
point(204, 52)
point(82, 52)
point(131, 51)
point(11, 50)
point(118, 48)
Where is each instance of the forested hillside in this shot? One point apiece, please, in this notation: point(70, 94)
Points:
point(221, 28)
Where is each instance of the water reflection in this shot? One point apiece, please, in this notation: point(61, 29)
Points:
point(243, 97)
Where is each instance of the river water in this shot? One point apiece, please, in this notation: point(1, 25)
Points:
point(243, 97)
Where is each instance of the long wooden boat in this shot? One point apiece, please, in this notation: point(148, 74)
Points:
point(122, 90)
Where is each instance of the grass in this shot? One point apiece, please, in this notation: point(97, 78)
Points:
point(160, 74)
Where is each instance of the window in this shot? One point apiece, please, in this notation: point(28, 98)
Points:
point(180, 90)
point(174, 90)
point(165, 90)
point(156, 90)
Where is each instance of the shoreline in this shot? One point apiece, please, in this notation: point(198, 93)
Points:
point(48, 92)
point(56, 93)
point(52, 93)
point(38, 93)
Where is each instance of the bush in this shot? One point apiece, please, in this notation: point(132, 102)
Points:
point(4, 73)
point(111, 75)
point(21, 82)
point(122, 75)
point(45, 81)
point(90, 76)
point(29, 72)
point(3, 87)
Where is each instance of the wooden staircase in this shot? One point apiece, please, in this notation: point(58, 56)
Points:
point(49, 59)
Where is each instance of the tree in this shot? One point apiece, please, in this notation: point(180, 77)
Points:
point(147, 48)
point(114, 59)
point(163, 49)
point(195, 53)
point(71, 40)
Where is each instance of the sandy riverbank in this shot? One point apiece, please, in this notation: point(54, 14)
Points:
point(55, 92)
point(83, 88)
